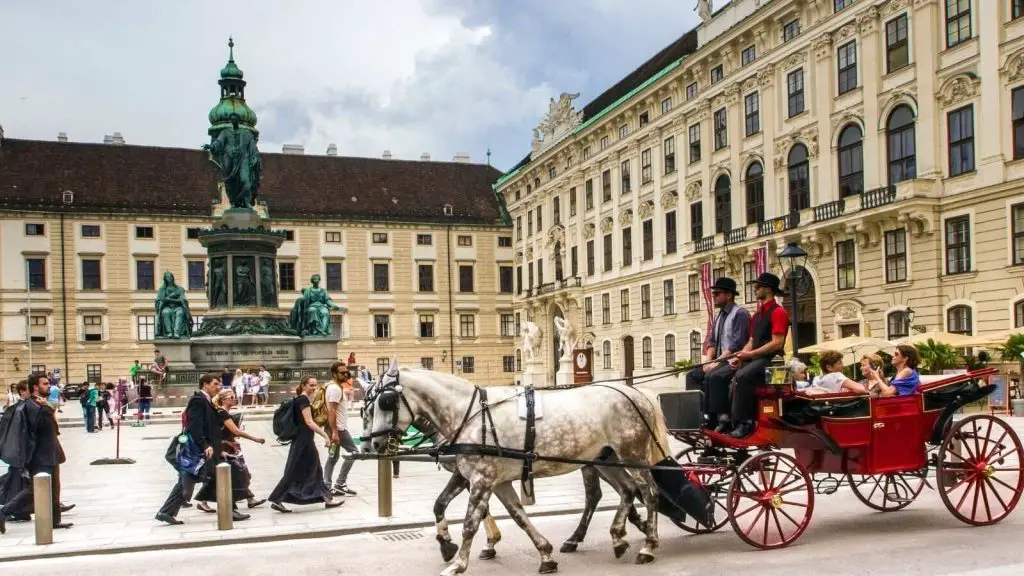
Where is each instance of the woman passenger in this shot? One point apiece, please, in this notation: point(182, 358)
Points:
point(834, 380)
point(906, 381)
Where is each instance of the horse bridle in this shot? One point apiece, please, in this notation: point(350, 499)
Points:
point(387, 398)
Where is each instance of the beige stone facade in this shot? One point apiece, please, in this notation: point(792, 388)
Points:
point(110, 324)
point(885, 137)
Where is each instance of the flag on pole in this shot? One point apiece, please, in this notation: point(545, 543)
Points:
point(705, 287)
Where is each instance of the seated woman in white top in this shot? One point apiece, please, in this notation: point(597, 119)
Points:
point(834, 380)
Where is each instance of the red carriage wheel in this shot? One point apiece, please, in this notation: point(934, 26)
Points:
point(717, 483)
point(887, 492)
point(979, 470)
point(771, 500)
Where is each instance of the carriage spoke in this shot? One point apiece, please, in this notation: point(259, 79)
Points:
point(791, 503)
point(998, 443)
point(984, 498)
point(788, 517)
point(756, 518)
point(778, 525)
point(979, 448)
point(782, 475)
point(995, 493)
point(995, 479)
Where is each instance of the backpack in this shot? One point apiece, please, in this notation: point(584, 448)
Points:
point(319, 406)
point(83, 397)
point(285, 426)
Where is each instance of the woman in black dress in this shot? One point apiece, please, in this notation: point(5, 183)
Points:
point(303, 479)
point(232, 454)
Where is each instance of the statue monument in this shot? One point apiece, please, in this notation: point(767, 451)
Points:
point(243, 325)
point(173, 319)
point(533, 370)
point(311, 314)
point(566, 344)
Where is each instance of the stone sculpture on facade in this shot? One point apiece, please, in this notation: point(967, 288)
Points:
point(566, 343)
point(217, 285)
point(531, 339)
point(311, 314)
point(245, 286)
point(173, 318)
point(559, 120)
point(704, 10)
point(236, 156)
point(268, 284)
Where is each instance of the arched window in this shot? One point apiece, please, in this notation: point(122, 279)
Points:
point(901, 148)
point(606, 354)
point(723, 205)
point(799, 179)
point(670, 350)
point(851, 161)
point(519, 360)
point(755, 193)
point(647, 351)
point(899, 324)
point(958, 320)
point(1018, 314)
point(695, 347)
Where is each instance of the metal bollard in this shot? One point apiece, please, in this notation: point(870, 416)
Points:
point(384, 488)
point(225, 512)
point(42, 486)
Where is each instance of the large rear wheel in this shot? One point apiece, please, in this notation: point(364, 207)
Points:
point(887, 492)
point(771, 500)
point(717, 485)
point(979, 470)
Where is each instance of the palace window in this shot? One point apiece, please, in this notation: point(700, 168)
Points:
point(606, 309)
point(750, 282)
point(1018, 314)
point(723, 205)
point(606, 354)
point(35, 229)
point(505, 279)
point(748, 55)
point(332, 237)
point(196, 275)
point(627, 246)
point(958, 22)
point(426, 325)
point(843, 4)
point(670, 350)
point(93, 231)
point(588, 311)
point(696, 221)
point(695, 347)
point(144, 232)
point(691, 91)
point(286, 275)
point(465, 278)
point(799, 179)
point(381, 280)
point(901, 145)
point(36, 273)
point(588, 194)
point(1017, 230)
point(508, 363)
point(145, 327)
point(624, 305)
point(425, 277)
point(606, 186)
point(91, 278)
point(666, 105)
point(94, 373)
point(332, 271)
point(144, 272)
point(504, 241)
point(717, 74)
point(427, 363)
point(467, 326)
point(670, 232)
point(790, 30)
point(896, 255)
point(755, 193)
point(961, 140)
point(383, 365)
point(958, 245)
point(572, 202)
point(627, 182)
point(424, 239)
point(590, 258)
point(38, 330)
point(693, 292)
point(380, 237)
point(508, 326)
point(897, 50)
point(721, 129)
point(958, 320)
point(670, 154)
point(648, 237)
point(847, 62)
point(607, 246)
point(851, 161)
point(381, 326)
point(668, 288)
point(898, 323)
point(795, 86)
point(751, 114)
point(647, 352)
point(846, 265)
point(464, 240)
point(92, 328)
point(694, 135)
point(646, 172)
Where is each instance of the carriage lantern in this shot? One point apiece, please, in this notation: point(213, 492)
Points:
point(797, 258)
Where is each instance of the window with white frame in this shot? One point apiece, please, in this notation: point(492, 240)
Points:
point(92, 328)
point(508, 326)
point(959, 320)
point(670, 350)
point(467, 326)
point(145, 327)
point(606, 355)
point(647, 352)
point(669, 290)
point(898, 323)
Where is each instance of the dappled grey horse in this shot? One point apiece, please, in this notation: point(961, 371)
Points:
point(457, 484)
point(597, 423)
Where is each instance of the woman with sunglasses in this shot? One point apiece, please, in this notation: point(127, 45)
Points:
point(232, 454)
point(906, 381)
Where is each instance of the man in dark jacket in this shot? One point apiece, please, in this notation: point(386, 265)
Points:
point(203, 427)
point(42, 451)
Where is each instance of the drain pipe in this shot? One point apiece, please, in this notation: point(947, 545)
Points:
point(66, 377)
point(451, 316)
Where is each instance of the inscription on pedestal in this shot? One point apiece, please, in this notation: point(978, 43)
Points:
point(242, 353)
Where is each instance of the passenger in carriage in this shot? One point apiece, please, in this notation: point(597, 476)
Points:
point(906, 381)
point(768, 330)
point(729, 332)
point(834, 380)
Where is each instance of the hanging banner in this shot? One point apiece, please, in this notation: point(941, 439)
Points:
point(761, 260)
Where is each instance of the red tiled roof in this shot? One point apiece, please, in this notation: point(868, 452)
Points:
point(122, 178)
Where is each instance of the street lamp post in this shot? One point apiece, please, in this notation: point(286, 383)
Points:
point(797, 258)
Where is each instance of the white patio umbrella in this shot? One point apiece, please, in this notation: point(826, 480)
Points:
point(954, 340)
point(852, 347)
point(990, 341)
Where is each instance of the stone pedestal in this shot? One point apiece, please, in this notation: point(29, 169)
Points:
point(177, 352)
point(319, 352)
point(564, 376)
point(533, 374)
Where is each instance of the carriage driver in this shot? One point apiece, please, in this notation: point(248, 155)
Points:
point(729, 333)
point(768, 330)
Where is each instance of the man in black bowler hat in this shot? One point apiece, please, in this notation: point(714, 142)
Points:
point(768, 330)
point(729, 333)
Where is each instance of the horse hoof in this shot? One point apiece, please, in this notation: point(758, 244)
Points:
point(488, 554)
point(620, 549)
point(448, 550)
point(569, 547)
point(644, 558)
point(549, 567)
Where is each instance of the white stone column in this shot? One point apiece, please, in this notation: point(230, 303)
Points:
point(771, 117)
point(989, 19)
point(929, 39)
point(824, 82)
point(871, 65)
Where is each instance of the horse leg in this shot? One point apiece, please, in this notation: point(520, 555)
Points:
point(456, 484)
point(592, 492)
point(627, 493)
point(649, 493)
point(493, 537)
point(476, 511)
point(631, 515)
point(507, 494)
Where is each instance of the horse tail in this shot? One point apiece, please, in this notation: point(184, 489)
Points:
point(657, 447)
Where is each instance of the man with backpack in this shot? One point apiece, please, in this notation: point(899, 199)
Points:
point(335, 416)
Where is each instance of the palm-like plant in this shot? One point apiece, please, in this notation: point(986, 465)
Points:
point(1013, 350)
point(937, 356)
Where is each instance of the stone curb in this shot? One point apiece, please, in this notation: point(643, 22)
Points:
point(368, 528)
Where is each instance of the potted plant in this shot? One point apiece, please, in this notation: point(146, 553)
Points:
point(937, 356)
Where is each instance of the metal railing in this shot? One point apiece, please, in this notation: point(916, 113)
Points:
point(780, 224)
point(829, 210)
point(704, 244)
point(736, 235)
point(877, 197)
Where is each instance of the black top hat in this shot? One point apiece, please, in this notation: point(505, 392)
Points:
point(725, 284)
point(771, 281)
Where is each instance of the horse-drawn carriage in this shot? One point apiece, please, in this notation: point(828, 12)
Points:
point(882, 448)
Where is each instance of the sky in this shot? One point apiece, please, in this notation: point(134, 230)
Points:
point(410, 76)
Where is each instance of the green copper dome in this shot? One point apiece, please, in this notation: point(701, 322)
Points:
point(232, 98)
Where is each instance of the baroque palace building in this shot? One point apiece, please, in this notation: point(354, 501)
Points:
point(850, 127)
point(417, 254)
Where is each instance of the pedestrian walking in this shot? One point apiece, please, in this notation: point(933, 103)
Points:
point(201, 433)
point(145, 399)
point(88, 399)
point(231, 452)
point(337, 418)
point(303, 478)
point(103, 401)
point(264, 391)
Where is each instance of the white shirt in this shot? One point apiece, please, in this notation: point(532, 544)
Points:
point(336, 394)
point(833, 382)
point(264, 379)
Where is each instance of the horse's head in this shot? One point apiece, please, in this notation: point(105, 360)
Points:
point(386, 412)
